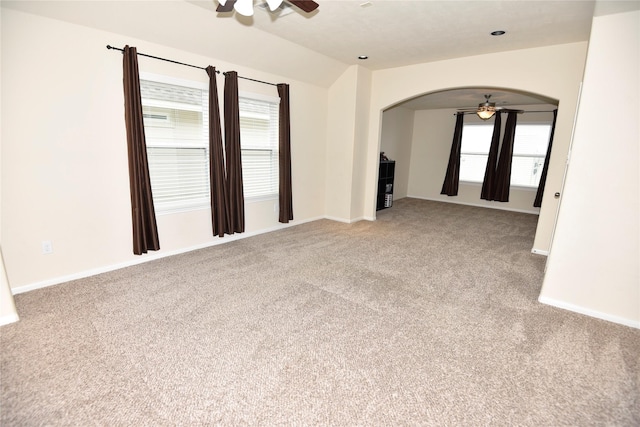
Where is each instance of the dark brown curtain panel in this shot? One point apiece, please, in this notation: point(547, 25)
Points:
point(452, 178)
point(503, 170)
point(543, 178)
point(145, 229)
point(284, 152)
point(233, 153)
point(490, 171)
point(217, 175)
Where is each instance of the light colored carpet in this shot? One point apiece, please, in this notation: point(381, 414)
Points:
point(427, 316)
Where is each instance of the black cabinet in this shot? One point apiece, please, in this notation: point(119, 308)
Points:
point(385, 184)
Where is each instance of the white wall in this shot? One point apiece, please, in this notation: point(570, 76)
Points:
point(433, 134)
point(594, 264)
point(553, 71)
point(64, 155)
point(342, 103)
point(396, 142)
point(361, 137)
point(8, 313)
point(346, 145)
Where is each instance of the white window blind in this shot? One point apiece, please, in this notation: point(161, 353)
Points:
point(474, 151)
point(259, 145)
point(176, 130)
point(177, 135)
point(529, 150)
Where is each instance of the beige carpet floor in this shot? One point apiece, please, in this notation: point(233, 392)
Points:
point(427, 316)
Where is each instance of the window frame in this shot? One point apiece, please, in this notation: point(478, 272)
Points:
point(548, 124)
point(275, 100)
point(205, 202)
point(193, 204)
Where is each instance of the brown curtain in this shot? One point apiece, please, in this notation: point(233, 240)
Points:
point(217, 176)
point(235, 194)
point(452, 178)
point(284, 152)
point(145, 229)
point(490, 172)
point(503, 170)
point(543, 178)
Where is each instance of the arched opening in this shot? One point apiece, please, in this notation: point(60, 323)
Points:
point(417, 134)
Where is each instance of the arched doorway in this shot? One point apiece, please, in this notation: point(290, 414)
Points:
point(417, 134)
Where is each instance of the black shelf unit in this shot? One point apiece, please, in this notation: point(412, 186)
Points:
point(385, 184)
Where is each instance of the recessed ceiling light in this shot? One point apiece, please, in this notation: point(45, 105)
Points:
point(363, 57)
point(498, 33)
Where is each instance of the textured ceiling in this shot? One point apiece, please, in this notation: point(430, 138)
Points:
point(392, 33)
point(396, 33)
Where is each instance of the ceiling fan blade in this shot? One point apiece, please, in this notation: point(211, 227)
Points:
point(227, 7)
point(305, 5)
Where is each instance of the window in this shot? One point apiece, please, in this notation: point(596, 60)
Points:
point(529, 150)
point(259, 144)
point(176, 125)
point(177, 134)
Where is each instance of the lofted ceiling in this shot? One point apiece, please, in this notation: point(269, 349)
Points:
point(392, 33)
point(395, 33)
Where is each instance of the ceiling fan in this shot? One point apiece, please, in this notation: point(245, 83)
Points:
point(245, 7)
point(487, 109)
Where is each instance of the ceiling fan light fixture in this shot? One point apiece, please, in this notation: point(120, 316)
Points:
point(487, 109)
point(244, 7)
point(485, 113)
point(273, 4)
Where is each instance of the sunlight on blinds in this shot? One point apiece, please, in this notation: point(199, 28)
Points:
point(177, 132)
point(529, 151)
point(259, 143)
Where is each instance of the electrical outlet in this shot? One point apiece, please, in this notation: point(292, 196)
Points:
point(47, 247)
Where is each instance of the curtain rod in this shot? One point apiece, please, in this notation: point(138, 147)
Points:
point(188, 65)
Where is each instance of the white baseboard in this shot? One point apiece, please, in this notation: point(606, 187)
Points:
point(539, 252)
point(9, 318)
point(150, 257)
point(335, 218)
point(360, 218)
point(347, 221)
point(588, 312)
point(478, 205)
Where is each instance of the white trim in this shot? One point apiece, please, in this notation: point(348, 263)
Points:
point(511, 187)
point(360, 218)
point(479, 205)
point(343, 220)
point(349, 221)
point(259, 97)
point(539, 252)
point(9, 318)
point(163, 78)
point(150, 257)
point(261, 198)
point(588, 312)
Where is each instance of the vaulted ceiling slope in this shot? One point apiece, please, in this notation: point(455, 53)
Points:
point(318, 47)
